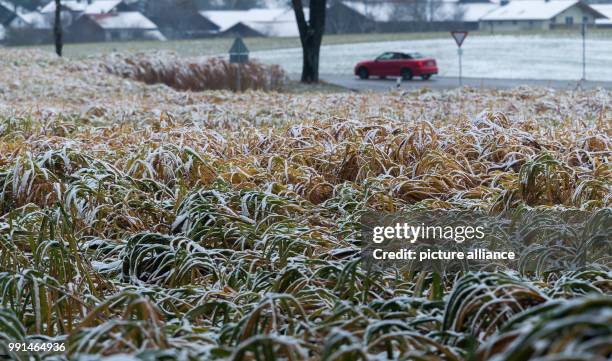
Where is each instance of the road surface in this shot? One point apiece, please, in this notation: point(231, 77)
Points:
point(375, 84)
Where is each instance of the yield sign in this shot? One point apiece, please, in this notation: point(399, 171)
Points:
point(459, 36)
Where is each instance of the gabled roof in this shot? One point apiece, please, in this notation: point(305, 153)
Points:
point(96, 7)
point(7, 5)
point(606, 10)
point(34, 20)
point(225, 19)
point(534, 10)
point(123, 20)
point(9, 12)
point(270, 22)
point(475, 11)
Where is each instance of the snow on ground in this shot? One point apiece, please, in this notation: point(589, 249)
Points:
point(502, 56)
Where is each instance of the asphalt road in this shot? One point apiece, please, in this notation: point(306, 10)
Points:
point(380, 85)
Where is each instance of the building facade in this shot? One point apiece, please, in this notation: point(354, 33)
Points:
point(533, 15)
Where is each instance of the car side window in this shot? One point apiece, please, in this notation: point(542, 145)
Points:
point(397, 56)
point(385, 56)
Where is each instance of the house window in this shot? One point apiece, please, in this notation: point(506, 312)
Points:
point(569, 20)
point(585, 19)
point(514, 22)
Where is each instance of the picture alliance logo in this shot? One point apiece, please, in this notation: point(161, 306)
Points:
point(412, 234)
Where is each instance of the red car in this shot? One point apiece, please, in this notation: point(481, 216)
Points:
point(406, 65)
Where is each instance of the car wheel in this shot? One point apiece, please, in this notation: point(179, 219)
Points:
point(406, 74)
point(363, 73)
point(426, 76)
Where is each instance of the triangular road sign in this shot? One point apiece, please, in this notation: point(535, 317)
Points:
point(459, 36)
point(238, 47)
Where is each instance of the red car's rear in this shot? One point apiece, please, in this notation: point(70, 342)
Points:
point(406, 65)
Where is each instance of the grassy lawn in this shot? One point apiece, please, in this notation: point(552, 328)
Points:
point(213, 46)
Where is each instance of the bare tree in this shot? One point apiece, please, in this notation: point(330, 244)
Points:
point(57, 28)
point(458, 14)
point(311, 36)
point(416, 10)
point(433, 7)
point(410, 10)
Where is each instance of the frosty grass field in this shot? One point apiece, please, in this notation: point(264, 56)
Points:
point(503, 56)
point(167, 225)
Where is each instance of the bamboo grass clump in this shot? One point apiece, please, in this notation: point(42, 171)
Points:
point(168, 225)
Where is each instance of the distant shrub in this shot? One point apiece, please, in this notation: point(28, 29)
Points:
point(209, 74)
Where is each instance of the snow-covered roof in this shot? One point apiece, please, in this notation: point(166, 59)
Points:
point(69, 4)
point(7, 5)
point(475, 11)
point(101, 7)
point(96, 7)
point(34, 20)
point(225, 19)
point(123, 20)
point(606, 10)
point(10, 6)
point(270, 22)
point(531, 9)
point(445, 10)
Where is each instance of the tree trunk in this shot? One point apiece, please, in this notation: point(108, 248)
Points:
point(57, 28)
point(311, 36)
point(311, 46)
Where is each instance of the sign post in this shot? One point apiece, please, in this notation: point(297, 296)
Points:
point(239, 54)
point(459, 37)
point(584, 30)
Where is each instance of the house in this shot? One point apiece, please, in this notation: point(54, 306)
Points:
point(539, 15)
point(29, 28)
point(606, 10)
point(176, 19)
point(276, 22)
point(85, 6)
point(114, 26)
point(7, 12)
point(342, 18)
point(74, 9)
point(31, 20)
point(396, 16)
point(231, 22)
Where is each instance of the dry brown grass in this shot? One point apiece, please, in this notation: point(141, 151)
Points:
point(209, 74)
